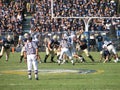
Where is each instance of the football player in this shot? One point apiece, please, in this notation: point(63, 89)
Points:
point(83, 48)
point(111, 49)
point(65, 47)
point(36, 39)
point(23, 41)
point(105, 54)
point(51, 46)
point(6, 46)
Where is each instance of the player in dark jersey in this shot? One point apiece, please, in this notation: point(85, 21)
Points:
point(51, 46)
point(105, 54)
point(83, 48)
point(6, 45)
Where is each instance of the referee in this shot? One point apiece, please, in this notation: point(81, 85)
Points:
point(31, 53)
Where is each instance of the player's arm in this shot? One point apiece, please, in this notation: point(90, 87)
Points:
point(25, 54)
point(56, 45)
point(1, 41)
point(49, 43)
point(37, 52)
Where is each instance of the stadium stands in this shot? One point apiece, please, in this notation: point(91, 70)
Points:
point(12, 15)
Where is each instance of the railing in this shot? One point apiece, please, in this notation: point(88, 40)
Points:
point(50, 35)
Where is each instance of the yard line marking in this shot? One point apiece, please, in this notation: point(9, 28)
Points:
point(54, 71)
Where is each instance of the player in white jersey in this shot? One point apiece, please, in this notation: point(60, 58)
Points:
point(111, 49)
point(72, 40)
point(65, 46)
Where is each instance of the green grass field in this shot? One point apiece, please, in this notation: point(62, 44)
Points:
point(106, 77)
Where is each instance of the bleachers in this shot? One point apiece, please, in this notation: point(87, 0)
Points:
point(39, 16)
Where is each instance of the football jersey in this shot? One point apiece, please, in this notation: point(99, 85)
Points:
point(7, 44)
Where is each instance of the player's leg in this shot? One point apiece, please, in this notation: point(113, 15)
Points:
point(69, 54)
point(87, 54)
point(106, 58)
point(29, 66)
point(7, 51)
point(47, 55)
point(2, 51)
point(79, 53)
point(115, 54)
point(64, 58)
point(58, 51)
point(101, 55)
point(35, 66)
point(52, 56)
point(73, 52)
point(81, 58)
point(58, 54)
point(63, 50)
point(21, 58)
point(22, 54)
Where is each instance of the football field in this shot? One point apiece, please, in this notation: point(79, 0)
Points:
point(81, 76)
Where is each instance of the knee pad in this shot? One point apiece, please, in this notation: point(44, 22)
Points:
point(29, 72)
point(36, 71)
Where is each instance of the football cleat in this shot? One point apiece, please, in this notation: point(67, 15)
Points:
point(30, 78)
point(73, 63)
point(59, 62)
point(37, 78)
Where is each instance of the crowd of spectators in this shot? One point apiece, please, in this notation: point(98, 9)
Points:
point(42, 18)
point(12, 15)
point(73, 8)
point(84, 8)
point(104, 24)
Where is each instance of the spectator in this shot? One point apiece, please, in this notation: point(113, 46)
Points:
point(99, 40)
point(83, 8)
point(11, 16)
point(92, 42)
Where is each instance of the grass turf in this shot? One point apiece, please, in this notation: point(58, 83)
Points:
point(107, 76)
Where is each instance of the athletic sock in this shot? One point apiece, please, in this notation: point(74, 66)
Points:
point(52, 59)
point(36, 76)
point(21, 57)
point(46, 56)
point(91, 58)
point(29, 74)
